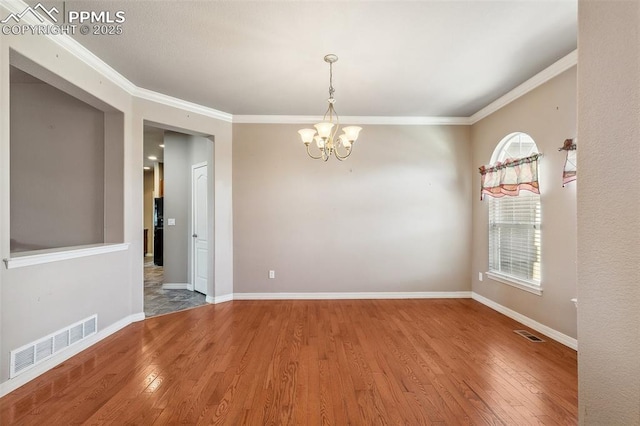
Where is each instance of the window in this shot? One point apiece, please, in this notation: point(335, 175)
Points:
point(514, 224)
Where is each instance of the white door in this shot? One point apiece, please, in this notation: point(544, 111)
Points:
point(200, 228)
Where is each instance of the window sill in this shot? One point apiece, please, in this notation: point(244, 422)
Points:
point(20, 260)
point(522, 285)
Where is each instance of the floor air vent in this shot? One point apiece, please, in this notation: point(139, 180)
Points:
point(528, 336)
point(32, 354)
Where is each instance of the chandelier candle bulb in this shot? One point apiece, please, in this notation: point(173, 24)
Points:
point(307, 135)
point(326, 131)
point(344, 139)
point(352, 132)
point(319, 142)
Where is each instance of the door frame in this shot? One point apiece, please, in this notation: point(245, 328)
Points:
point(192, 244)
point(157, 118)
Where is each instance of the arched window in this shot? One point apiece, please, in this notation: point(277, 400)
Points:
point(514, 224)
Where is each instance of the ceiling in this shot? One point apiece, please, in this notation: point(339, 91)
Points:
point(420, 58)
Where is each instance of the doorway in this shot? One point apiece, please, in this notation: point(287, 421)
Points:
point(178, 279)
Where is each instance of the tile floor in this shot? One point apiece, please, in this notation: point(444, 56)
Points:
point(158, 301)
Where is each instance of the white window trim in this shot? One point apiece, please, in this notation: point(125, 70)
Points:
point(21, 260)
point(515, 282)
point(521, 284)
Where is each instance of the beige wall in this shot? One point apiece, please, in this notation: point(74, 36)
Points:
point(114, 177)
point(394, 217)
point(548, 114)
point(38, 300)
point(57, 169)
point(180, 153)
point(609, 213)
point(148, 208)
point(177, 188)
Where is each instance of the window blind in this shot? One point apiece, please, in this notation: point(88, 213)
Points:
point(514, 237)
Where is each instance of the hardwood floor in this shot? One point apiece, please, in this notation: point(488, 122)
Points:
point(359, 362)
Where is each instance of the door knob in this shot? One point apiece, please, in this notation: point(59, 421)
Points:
point(195, 235)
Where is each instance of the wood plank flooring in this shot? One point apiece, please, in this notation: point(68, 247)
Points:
point(338, 362)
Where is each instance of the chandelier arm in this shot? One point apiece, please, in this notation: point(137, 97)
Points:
point(309, 154)
point(337, 126)
point(327, 112)
point(342, 157)
point(331, 111)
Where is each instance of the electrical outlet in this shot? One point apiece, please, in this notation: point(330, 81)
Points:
point(272, 274)
point(479, 276)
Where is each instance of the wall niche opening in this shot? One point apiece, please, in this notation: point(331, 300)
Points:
point(66, 164)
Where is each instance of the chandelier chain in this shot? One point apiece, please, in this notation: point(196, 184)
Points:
point(331, 89)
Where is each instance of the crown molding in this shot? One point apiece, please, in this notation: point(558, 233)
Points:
point(537, 80)
point(74, 48)
point(94, 62)
point(161, 98)
point(353, 119)
point(97, 64)
point(277, 119)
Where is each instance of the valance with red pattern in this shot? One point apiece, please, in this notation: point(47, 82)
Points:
point(570, 171)
point(510, 176)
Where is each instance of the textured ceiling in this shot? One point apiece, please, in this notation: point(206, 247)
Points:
point(429, 58)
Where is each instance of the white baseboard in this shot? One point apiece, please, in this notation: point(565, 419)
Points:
point(175, 286)
point(219, 299)
point(358, 295)
point(140, 316)
point(13, 384)
point(541, 328)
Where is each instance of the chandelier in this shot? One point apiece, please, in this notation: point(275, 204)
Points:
point(325, 132)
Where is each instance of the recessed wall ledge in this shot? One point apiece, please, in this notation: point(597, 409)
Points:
point(37, 257)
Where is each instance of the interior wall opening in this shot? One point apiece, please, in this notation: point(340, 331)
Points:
point(177, 218)
point(66, 164)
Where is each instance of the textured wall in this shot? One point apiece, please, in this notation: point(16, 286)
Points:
point(609, 212)
point(181, 151)
point(394, 217)
point(548, 114)
point(57, 169)
point(148, 207)
point(176, 200)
